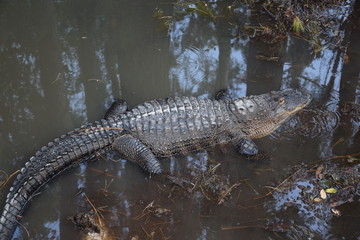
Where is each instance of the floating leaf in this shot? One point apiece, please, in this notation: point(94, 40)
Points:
point(323, 194)
point(331, 190)
point(317, 200)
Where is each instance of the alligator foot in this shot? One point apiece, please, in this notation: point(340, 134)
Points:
point(134, 150)
point(245, 146)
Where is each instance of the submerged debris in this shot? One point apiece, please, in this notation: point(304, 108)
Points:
point(154, 210)
point(86, 221)
point(214, 187)
point(316, 193)
point(320, 23)
point(152, 221)
point(89, 224)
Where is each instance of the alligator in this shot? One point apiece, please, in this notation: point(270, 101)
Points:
point(150, 131)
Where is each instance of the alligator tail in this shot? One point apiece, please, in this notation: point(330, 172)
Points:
point(62, 154)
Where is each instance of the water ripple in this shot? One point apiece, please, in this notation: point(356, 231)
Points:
point(192, 64)
point(309, 123)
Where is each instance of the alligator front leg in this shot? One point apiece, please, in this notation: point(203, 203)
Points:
point(245, 146)
point(134, 150)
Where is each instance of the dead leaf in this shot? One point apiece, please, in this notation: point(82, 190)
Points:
point(318, 171)
point(336, 211)
point(323, 194)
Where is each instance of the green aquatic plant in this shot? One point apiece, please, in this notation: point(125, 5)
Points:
point(297, 25)
point(202, 8)
point(166, 21)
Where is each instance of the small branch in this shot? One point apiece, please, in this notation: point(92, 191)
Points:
point(95, 210)
point(8, 179)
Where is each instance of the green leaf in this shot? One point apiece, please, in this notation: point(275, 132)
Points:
point(331, 190)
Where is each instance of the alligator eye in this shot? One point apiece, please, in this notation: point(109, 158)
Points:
point(282, 100)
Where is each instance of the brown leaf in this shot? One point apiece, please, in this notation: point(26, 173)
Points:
point(318, 171)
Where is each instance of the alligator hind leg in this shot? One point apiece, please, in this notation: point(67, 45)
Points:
point(134, 150)
point(245, 146)
point(117, 107)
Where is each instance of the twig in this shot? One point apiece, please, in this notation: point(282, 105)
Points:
point(147, 234)
point(344, 156)
point(212, 170)
point(270, 13)
point(143, 214)
point(103, 172)
point(162, 233)
point(95, 210)
point(278, 186)
point(150, 205)
point(27, 232)
point(8, 179)
point(57, 78)
point(241, 227)
point(256, 192)
point(227, 192)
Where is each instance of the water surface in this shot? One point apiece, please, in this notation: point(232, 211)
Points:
point(63, 62)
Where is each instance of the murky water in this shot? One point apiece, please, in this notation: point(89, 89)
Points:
point(63, 62)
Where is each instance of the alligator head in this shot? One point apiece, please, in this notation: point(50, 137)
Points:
point(262, 114)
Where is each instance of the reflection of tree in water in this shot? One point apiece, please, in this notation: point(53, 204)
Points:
point(333, 79)
point(349, 91)
point(203, 54)
point(195, 62)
